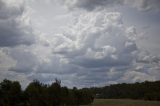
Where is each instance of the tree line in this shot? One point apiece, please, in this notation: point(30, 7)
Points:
point(39, 94)
point(144, 90)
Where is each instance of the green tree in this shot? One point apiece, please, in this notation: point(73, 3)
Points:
point(36, 94)
point(10, 93)
point(64, 96)
point(54, 93)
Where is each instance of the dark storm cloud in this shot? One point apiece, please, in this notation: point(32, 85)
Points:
point(89, 5)
point(11, 35)
point(95, 48)
point(92, 4)
point(146, 5)
point(8, 11)
point(13, 28)
point(105, 62)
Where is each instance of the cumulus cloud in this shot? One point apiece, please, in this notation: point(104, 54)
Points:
point(14, 28)
point(90, 46)
point(96, 48)
point(101, 39)
point(104, 49)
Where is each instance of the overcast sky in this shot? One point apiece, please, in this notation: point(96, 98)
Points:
point(81, 42)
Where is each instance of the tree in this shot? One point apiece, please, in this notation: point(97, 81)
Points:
point(64, 96)
point(54, 93)
point(10, 93)
point(35, 94)
point(39, 94)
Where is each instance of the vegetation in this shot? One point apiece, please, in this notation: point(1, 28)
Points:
point(39, 94)
point(123, 102)
point(145, 90)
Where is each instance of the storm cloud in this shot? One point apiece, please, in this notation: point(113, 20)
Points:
point(143, 5)
point(14, 28)
point(90, 48)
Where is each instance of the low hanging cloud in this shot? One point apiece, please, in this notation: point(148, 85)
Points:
point(14, 28)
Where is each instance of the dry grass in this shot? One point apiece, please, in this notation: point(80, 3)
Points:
point(124, 102)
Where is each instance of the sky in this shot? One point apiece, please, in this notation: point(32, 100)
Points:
point(83, 43)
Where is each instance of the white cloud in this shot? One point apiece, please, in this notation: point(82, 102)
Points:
point(99, 37)
point(104, 52)
point(134, 76)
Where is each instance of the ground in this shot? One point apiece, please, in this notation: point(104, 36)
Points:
point(124, 102)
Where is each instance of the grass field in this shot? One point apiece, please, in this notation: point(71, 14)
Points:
point(124, 102)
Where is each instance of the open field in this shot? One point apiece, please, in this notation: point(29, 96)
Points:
point(124, 102)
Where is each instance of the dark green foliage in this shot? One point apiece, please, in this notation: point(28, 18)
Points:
point(145, 90)
point(54, 94)
point(35, 94)
point(10, 93)
point(38, 94)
